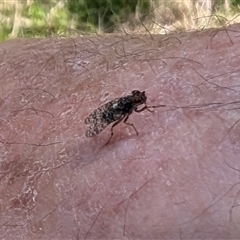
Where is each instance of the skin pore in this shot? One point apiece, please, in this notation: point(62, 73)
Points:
point(178, 179)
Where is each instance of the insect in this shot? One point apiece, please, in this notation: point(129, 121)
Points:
point(116, 111)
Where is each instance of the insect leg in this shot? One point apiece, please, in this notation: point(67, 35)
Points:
point(116, 123)
point(125, 121)
point(148, 108)
point(142, 109)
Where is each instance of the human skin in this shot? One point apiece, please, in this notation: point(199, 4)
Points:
point(178, 179)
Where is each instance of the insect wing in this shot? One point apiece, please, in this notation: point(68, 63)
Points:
point(96, 128)
point(97, 121)
point(96, 115)
point(101, 118)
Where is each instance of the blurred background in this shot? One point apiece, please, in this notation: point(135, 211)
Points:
point(46, 18)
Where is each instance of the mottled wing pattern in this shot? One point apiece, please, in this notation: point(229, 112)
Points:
point(101, 118)
point(94, 116)
point(96, 128)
